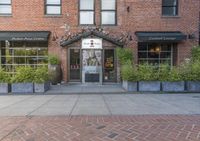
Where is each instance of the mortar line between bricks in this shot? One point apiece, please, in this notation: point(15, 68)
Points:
point(76, 102)
point(107, 106)
point(41, 106)
point(17, 102)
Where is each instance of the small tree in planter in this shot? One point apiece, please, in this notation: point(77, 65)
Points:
point(54, 69)
point(174, 81)
point(125, 55)
point(148, 78)
point(22, 81)
point(41, 80)
point(129, 75)
point(4, 82)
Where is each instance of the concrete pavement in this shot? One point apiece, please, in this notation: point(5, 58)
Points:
point(104, 104)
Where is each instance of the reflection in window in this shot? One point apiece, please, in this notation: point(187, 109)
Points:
point(155, 54)
point(53, 7)
point(108, 12)
point(86, 12)
point(170, 7)
point(5, 7)
point(22, 54)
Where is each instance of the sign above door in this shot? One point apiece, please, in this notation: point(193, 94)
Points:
point(91, 43)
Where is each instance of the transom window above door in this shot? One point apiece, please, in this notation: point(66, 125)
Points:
point(86, 12)
point(53, 7)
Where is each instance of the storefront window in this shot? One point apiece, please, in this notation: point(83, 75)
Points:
point(22, 54)
point(156, 54)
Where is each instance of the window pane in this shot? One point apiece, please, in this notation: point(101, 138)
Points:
point(5, 1)
point(108, 17)
point(86, 17)
point(53, 10)
point(53, 1)
point(108, 5)
point(5, 9)
point(171, 11)
point(169, 2)
point(142, 47)
point(86, 4)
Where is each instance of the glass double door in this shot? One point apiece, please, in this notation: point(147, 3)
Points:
point(94, 66)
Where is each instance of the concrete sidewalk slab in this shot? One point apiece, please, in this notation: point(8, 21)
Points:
point(99, 104)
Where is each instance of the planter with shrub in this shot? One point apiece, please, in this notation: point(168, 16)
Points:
point(148, 78)
point(4, 82)
point(41, 80)
point(173, 82)
point(191, 71)
point(54, 69)
point(22, 81)
point(130, 77)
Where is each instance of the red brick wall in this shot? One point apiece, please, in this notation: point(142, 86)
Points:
point(144, 15)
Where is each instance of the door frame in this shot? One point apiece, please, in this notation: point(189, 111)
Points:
point(68, 64)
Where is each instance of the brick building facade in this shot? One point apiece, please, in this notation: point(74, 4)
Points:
point(154, 33)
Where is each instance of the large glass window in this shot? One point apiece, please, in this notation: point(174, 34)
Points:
point(108, 12)
point(5, 7)
point(86, 12)
point(155, 54)
point(53, 7)
point(170, 7)
point(23, 54)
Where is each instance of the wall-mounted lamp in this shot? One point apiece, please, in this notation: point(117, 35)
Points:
point(128, 9)
point(191, 36)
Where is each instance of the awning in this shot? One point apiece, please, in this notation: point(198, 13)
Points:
point(160, 36)
point(24, 35)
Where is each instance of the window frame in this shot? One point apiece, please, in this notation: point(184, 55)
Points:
point(46, 5)
point(171, 6)
point(108, 10)
point(7, 14)
point(86, 10)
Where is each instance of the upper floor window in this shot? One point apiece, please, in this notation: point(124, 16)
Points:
point(53, 7)
point(108, 12)
point(170, 7)
point(86, 12)
point(5, 7)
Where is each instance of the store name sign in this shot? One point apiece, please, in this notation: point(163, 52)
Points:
point(92, 44)
point(27, 39)
point(161, 38)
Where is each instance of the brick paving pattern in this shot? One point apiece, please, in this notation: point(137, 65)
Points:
point(101, 128)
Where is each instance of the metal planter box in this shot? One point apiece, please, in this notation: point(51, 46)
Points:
point(193, 86)
point(22, 88)
point(41, 88)
point(178, 86)
point(4, 88)
point(130, 86)
point(149, 86)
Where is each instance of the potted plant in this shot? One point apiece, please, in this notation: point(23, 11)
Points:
point(22, 81)
point(148, 78)
point(130, 77)
point(41, 80)
point(173, 81)
point(54, 69)
point(4, 82)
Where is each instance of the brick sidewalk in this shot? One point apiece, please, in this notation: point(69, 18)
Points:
point(101, 128)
